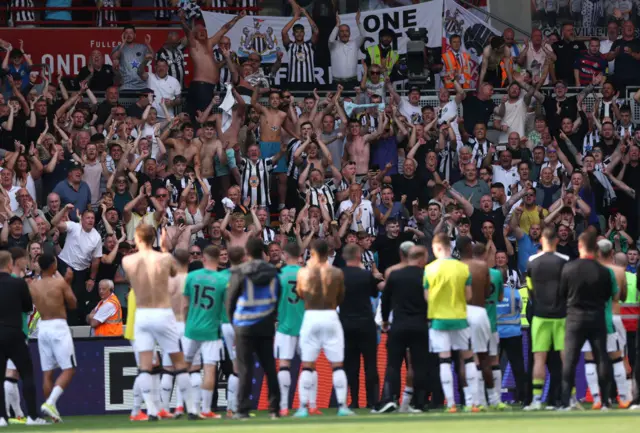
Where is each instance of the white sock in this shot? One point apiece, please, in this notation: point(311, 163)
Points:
point(184, 385)
point(592, 380)
point(146, 383)
point(196, 383)
point(630, 387)
point(482, 394)
point(15, 400)
point(446, 378)
point(468, 397)
point(620, 376)
point(179, 399)
point(407, 394)
point(137, 397)
point(284, 380)
point(8, 389)
point(156, 389)
point(207, 398)
point(166, 384)
point(471, 373)
point(314, 391)
point(340, 386)
point(495, 393)
point(232, 393)
point(55, 395)
point(305, 385)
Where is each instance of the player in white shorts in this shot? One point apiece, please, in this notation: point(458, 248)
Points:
point(321, 286)
point(148, 272)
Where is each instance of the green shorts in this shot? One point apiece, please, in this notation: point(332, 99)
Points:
point(547, 334)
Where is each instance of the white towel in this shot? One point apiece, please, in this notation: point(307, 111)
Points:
point(226, 107)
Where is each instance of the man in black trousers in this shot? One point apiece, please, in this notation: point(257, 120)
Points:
point(15, 299)
point(404, 294)
point(360, 336)
point(588, 288)
point(252, 300)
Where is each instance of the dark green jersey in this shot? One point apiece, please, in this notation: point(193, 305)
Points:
point(225, 274)
point(497, 288)
point(205, 289)
point(291, 307)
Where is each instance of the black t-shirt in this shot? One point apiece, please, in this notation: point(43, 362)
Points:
point(478, 217)
point(568, 108)
point(413, 188)
point(388, 249)
point(626, 67)
point(545, 272)
point(135, 111)
point(101, 79)
point(587, 286)
point(567, 51)
point(6, 140)
point(360, 286)
point(19, 131)
point(476, 111)
point(570, 250)
point(107, 271)
point(21, 242)
point(404, 294)
point(103, 112)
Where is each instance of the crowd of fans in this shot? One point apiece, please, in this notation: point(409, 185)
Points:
point(361, 165)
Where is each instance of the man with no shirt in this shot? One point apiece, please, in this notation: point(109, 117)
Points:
point(148, 272)
point(321, 286)
point(52, 296)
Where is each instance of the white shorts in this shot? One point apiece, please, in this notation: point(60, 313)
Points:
point(613, 344)
point(229, 337)
point(621, 333)
point(11, 365)
point(285, 346)
point(136, 355)
point(211, 351)
point(480, 328)
point(321, 330)
point(55, 345)
point(166, 359)
point(156, 325)
point(494, 344)
point(446, 341)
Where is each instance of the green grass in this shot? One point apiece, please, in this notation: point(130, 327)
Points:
point(615, 421)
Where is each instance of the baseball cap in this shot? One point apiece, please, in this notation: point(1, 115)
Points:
point(74, 165)
point(14, 219)
point(145, 92)
point(605, 246)
point(414, 89)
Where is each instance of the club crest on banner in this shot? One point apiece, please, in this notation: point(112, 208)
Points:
point(254, 40)
point(453, 23)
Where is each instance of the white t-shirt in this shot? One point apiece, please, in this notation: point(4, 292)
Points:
point(515, 117)
point(413, 113)
point(368, 218)
point(80, 247)
point(605, 48)
point(448, 112)
point(506, 177)
point(168, 88)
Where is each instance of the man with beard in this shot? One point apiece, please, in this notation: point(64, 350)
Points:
point(129, 55)
point(102, 76)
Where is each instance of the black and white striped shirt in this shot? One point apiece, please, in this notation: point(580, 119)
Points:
point(21, 17)
point(301, 63)
point(225, 73)
point(106, 17)
point(370, 122)
point(368, 260)
point(175, 58)
point(162, 14)
point(268, 235)
point(255, 180)
point(232, 3)
point(292, 170)
point(321, 196)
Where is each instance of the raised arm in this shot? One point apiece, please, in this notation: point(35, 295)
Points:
point(286, 41)
point(213, 40)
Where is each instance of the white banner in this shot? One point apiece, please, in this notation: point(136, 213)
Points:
point(262, 34)
point(474, 32)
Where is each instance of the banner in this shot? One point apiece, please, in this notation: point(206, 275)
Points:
point(65, 51)
point(106, 370)
point(262, 34)
point(474, 32)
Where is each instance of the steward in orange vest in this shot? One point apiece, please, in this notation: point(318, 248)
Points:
point(456, 62)
point(106, 318)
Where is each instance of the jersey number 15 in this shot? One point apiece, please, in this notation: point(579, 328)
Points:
point(203, 298)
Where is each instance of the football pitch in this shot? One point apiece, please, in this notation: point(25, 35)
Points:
point(615, 421)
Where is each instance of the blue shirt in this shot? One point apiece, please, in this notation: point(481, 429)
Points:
point(58, 15)
point(526, 248)
point(81, 198)
point(509, 323)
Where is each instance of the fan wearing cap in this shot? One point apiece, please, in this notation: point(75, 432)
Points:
point(74, 191)
point(137, 110)
point(11, 234)
point(492, 56)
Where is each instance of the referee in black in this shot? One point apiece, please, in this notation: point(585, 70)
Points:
point(359, 327)
point(587, 286)
point(15, 299)
point(404, 294)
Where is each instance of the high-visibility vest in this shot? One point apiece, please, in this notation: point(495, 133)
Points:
point(504, 69)
point(451, 64)
point(112, 327)
point(376, 58)
point(630, 308)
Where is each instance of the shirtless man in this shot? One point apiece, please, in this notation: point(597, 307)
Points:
point(358, 146)
point(492, 56)
point(52, 296)
point(227, 133)
point(185, 145)
point(176, 286)
point(180, 233)
point(238, 237)
point(321, 286)
point(271, 120)
point(206, 73)
point(616, 340)
point(210, 149)
point(148, 272)
point(479, 322)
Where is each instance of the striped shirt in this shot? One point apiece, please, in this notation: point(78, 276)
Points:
point(174, 56)
point(232, 3)
point(255, 180)
point(225, 73)
point(162, 14)
point(105, 17)
point(293, 171)
point(323, 195)
point(268, 235)
point(368, 260)
point(301, 63)
point(22, 17)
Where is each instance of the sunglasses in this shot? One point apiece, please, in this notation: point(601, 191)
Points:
point(119, 114)
point(375, 73)
point(529, 195)
point(195, 253)
point(162, 195)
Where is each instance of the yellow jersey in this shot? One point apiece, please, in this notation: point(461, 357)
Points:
point(446, 281)
point(131, 315)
